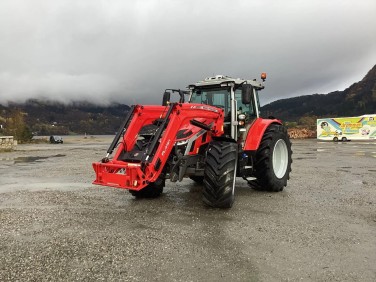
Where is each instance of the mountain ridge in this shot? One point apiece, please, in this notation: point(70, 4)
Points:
point(358, 99)
point(51, 117)
point(46, 117)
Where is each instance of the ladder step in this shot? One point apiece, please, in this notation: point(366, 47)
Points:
point(250, 178)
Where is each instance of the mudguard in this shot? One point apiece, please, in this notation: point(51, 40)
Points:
point(256, 132)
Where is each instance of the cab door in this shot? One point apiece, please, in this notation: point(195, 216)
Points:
point(246, 114)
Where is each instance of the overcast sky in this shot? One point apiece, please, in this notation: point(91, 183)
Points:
point(130, 51)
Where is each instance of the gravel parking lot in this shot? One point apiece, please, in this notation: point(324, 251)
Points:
point(55, 225)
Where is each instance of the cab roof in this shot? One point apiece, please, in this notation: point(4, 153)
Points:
point(220, 79)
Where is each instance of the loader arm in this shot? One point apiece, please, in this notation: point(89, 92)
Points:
point(134, 167)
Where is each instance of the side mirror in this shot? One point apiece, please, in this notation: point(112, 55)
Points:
point(181, 94)
point(166, 98)
point(247, 91)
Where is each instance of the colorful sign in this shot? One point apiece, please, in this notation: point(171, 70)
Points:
point(347, 128)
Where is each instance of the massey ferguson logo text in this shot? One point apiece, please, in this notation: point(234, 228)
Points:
point(205, 108)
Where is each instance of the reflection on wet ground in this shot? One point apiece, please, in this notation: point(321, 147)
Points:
point(30, 159)
point(313, 149)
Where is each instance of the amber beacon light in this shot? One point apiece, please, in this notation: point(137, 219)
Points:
point(263, 76)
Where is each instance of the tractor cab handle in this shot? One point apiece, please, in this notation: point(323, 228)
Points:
point(200, 124)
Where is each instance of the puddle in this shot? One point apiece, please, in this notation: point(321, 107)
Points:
point(343, 170)
point(28, 159)
point(19, 160)
point(365, 154)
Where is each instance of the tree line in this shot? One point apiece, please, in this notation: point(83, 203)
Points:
point(13, 124)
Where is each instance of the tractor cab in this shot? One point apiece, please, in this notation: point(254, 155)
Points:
point(237, 97)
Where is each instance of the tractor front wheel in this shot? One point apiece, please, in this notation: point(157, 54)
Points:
point(219, 174)
point(153, 190)
point(273, 159)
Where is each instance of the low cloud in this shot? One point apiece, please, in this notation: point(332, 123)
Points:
point(59, 87)
point(129, 52)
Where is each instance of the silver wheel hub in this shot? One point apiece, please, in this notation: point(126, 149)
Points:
point(280, 158)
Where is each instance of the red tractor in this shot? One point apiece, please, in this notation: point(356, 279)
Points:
point(213, 138)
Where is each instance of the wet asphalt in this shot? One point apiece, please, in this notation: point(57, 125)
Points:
point(56, 226)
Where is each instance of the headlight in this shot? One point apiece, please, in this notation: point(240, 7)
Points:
point(241, 117)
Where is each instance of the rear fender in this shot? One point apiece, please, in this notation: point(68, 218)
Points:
point(256, 132)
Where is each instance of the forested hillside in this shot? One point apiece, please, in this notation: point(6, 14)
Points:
point(47, 117)
point(358, 99)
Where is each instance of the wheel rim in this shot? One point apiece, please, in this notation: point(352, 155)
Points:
point(233, 183)
point(280, 158)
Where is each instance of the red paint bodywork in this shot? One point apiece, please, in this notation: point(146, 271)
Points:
point(256, 132)
point(137, 175)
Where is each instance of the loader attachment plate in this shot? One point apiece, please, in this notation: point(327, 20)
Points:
point(120, 175)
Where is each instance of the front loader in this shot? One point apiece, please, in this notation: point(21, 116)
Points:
point(213, 138)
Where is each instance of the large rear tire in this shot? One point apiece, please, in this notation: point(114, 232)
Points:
point(273, 159)
point(153, 190)
point(219, 174)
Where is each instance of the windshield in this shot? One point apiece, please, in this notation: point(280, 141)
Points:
point(220, 97)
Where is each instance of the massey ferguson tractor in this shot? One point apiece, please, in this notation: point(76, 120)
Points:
point(213, 138)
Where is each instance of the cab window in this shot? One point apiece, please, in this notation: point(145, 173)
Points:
point(219, 97)
point(248, 110)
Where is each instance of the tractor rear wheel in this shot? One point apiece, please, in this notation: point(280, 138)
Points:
point(273, 159)
point(153, 190)
point(220, 173)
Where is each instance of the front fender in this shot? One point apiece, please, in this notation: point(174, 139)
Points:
point(256, 132)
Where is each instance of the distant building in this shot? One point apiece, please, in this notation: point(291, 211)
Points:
point(7, 143)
